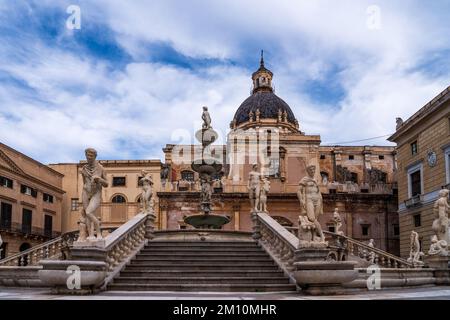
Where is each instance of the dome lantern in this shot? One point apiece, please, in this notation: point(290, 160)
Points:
point(262, 78)
point(264, 108)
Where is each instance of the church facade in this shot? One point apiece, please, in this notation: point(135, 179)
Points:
point(359, 181)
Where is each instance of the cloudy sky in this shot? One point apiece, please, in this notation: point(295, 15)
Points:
point(136, 74)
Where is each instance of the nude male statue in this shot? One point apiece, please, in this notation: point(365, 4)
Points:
point(206, 119)
point(253, 186)
point(94, 179)
point(311, 206)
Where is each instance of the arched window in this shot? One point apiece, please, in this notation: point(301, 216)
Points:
point(187, 175)
point(118, 199)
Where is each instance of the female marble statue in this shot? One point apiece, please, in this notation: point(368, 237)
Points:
point(147, 192)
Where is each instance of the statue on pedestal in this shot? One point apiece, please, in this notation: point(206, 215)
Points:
point(372, 254)
point(262, 190)
point(164, 175)
point(147, 192)
point(253, 186)
point(311, 204)
point(441, 209)
point(250, 116)
point(440, 240)
point(94, 179)
point(337, 222)
point(414, 253)
point(205, 193)
point(206, 119)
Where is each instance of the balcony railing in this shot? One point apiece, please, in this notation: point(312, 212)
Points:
point(25, 230)
point(414, 201)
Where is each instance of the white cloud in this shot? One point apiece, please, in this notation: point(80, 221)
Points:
point(78, 101)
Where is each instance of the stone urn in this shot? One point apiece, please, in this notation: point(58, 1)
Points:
point(318, 276)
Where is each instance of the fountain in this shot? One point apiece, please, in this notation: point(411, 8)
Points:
point(206, 166)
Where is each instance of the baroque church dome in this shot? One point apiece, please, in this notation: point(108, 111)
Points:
point(269, 105)
point(264, 106)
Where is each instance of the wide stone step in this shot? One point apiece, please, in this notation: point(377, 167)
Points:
point(200, 267)
point(203, 244)
point(202, 280)
point(203, 273)
point(201, 249)
point(205, 255)
point(202, 262)
point(183, 259)
point(204, 287)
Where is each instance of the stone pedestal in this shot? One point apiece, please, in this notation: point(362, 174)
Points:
point(89, 244)
point(256, 227)
point(317, 276)
point(150, 226)
point(437, 261)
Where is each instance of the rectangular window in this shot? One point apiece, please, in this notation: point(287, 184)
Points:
point(119, 181)
point(5, 182)
point(351, 157)
point(331, 229)
point(414, 148)
point(396, 228)
point(28, 191)
point(447, 165)
point(48, 198)
point(416, 183)
point(187, 175)
point(274, 167)
point(5, 216)
point(381, 157)
point(74, 204)
point(27, 218)
point(365, 230)
point(322, 157)
point(48, 226)
point(417, 220)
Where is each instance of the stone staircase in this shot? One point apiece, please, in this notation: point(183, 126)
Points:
point(226, 266)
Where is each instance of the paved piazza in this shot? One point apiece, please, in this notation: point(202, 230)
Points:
point(432, 293)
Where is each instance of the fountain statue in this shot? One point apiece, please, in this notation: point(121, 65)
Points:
point(206, 166)
point(309, 231)
point(94, 179)
point(147, 201)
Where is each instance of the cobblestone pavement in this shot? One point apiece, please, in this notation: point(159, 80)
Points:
point(407, 294)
